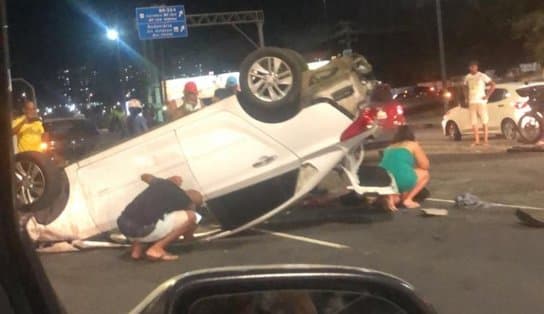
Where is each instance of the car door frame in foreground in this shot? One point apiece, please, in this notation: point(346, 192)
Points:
point(180, 294)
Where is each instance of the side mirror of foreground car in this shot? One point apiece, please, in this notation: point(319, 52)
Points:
point(301, 289)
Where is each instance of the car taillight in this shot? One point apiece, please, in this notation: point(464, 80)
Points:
point(362, 123)
point(43, 146)
point(521, 104)
point(47, 146)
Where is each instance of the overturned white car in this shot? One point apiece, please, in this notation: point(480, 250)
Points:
point(251, 155)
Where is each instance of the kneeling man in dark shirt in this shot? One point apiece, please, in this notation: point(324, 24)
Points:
point(159, 215)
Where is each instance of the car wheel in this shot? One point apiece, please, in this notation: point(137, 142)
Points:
point(452, 131)
point(509, 129)
point(530, 128)
point(37, 181)
point(270, 84)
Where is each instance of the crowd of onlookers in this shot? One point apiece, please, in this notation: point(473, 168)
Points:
point(139, 120)
point(30, 134)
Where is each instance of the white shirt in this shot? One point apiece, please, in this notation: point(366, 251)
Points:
point(188, 107)
point(476, 87)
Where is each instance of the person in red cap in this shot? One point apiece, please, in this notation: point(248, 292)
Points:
point(189, 104)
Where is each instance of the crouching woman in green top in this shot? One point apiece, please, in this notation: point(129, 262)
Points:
point(408, 164)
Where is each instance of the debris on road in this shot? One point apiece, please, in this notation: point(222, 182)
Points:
point(533, 219)
point(470, 201)
point(434, 212)
point(86, 244)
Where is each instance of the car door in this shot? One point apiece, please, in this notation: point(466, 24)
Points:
point(460, 112)
point(226, 153)
point(495, 108)
point(111, 179)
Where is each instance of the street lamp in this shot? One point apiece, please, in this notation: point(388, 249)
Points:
point(441, 49)
point(112, 34)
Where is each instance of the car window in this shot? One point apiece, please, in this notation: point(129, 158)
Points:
point(85, 127)
point(59, 127)
point(71, 127)
point(381, 94)
point(534, 92)
point(405, 95)
point(498, 95)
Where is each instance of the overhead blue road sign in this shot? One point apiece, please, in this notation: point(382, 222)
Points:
point(162, 22)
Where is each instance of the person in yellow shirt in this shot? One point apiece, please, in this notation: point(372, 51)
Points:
point(28, 128)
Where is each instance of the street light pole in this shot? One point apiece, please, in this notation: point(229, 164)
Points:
point(441, 48)
point(113, 35)
point(30, 86)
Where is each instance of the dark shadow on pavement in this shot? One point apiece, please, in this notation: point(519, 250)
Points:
point(300, 218)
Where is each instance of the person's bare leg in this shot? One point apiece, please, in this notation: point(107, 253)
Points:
point(391, 202)
point(137, 250)
point(422, 180)
point(158, 249)
point(476, 135)
point(486, 134)
point(190, 234)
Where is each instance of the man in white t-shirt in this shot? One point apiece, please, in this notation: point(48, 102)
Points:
point(476, 82)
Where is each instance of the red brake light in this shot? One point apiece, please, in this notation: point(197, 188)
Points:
point(43, 146)
point(362, 123)
point(520, 104)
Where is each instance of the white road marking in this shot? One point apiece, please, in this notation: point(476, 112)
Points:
point(303, 239)
point(491, 203)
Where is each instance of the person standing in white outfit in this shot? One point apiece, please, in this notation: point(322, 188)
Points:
point(478, 95)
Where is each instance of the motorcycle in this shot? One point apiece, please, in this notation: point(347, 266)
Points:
point(531, 124)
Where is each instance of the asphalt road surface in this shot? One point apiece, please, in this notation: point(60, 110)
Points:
point(471, 261)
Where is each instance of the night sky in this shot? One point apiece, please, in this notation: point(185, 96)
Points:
point(46, 36)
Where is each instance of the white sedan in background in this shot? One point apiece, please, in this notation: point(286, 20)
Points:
point(251, 155)
point(506, 105)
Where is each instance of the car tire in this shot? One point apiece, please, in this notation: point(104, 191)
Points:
point(300, 59)
point(534, 133)
point(452, 131)
point(509, 129)
point(37, 181)
point(265, 95)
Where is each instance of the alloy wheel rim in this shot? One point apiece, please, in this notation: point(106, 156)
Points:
point(30, 182)
point(270, 79)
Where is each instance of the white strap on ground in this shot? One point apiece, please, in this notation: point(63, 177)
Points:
point(303, 239)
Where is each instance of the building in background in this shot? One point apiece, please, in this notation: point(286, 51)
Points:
point(64, 85)
point(77, 85)
point(133, 82)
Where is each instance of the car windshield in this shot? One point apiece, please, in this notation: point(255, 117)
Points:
point(154, 138)
point(533, 92)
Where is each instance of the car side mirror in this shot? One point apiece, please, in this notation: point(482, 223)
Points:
point(302, 289)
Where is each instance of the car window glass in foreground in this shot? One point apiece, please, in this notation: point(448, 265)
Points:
point(295, 301)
